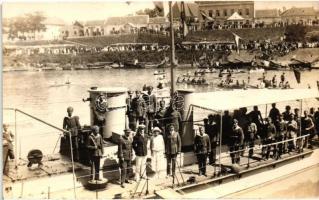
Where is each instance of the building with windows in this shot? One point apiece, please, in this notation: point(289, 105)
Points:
point(267, 17)
point(128, 24)
point(305, 16)
point(76, 29)
point(94, 28)
point(222, 11)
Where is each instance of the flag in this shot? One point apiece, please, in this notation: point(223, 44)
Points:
point(159, 5)
point(236, 38)
point(297, 75)
point(208, 18)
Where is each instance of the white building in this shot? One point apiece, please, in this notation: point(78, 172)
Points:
point(129, 24)
point(53, 29)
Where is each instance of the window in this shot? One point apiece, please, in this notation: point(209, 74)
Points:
point(240, 12)
point(210, 13)
point(232, 11)
point(247, 11)
point(217, 13)
point(225, 12)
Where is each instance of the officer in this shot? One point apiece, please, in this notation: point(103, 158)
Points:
point(172, 148)
point(125, 156)
point(213, 130)
point(138, 110)
point(96, 151)
point(251, 134)
point(159, 117)
point(202, 148)
point(71, 124)
point(237, 138)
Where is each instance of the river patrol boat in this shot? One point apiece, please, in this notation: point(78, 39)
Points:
point(60, 177)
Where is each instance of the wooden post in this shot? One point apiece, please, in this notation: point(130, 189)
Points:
point(172, 48)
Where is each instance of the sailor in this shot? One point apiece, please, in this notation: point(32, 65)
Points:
point(152, 108)
point(237, 138)
point(270, 131)
point(213, 132)
point(173, 147)
point(129, 111)
point(7, 141)
point(138, 107)
point(158, 150)
point(274, 81)
point(125, 156)
point(202, 148)
point(140, 141)
point(71, 124)
point(256, 118)
point(96, 151)
point(172, 117)
point(292, 128)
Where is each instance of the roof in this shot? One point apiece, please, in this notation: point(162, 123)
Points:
point(268, 13)
point(94, 23)
point(158, 20)
point(293, 12)
point(53, 21)
point(191, 10)
point(235, 16)
point(229, 100)
point(138, 19)
point(76, 23)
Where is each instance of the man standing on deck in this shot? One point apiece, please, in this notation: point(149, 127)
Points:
point(7, 141)
point(159, 117)
point(212, 132)
point(202, 149)
point(129, 111)
point(158, 150)
point(308, 128)
point(138, 110)
point(237, 138)
point(125, 156)
point(270, 131)
point(288, 115)
point(274, 113)
point(281, 133)
point(257, 119)
point(152, 108)
point(173, 147)
point(71, 124)
point(251, 134)
point(139, 144)
point(172, 117)
point(96, 151)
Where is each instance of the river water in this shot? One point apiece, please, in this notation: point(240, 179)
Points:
point(35, 93)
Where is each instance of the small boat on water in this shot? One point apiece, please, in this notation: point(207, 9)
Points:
point(80, 67)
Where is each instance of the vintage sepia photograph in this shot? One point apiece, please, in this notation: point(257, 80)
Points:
point(160, 99)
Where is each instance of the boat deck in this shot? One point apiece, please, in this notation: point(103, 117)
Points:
point(159, 186)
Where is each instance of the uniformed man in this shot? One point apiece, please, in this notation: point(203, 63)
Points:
point(7, 143)
point(140, 141)
point(213, 130)
point(274, 113)
point(96, 151)
point(129, 111)
point(308, 128)
point(159, 117)
point(202, 148)
point(270, 131)
point(173, 147)
point(125, 156)
point(237, 138)
point(251, 134)
point(71, 124)
point(152, 107)
point(172, 117)
point(158, 150)
point(138, 110)
point(281, 134)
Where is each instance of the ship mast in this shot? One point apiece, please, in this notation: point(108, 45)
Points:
point(172, 58)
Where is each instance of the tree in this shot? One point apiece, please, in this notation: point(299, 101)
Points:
point(26, 23)
point(150, 12)
point(295, 33)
